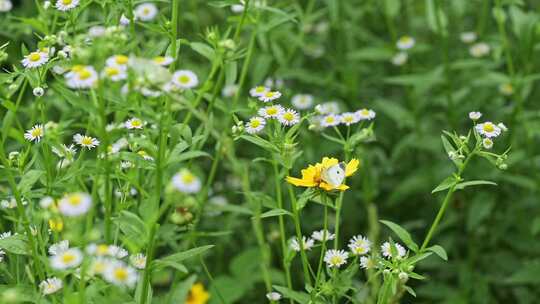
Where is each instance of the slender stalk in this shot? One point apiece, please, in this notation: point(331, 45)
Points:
point(299, 239)
point(147, 269)
point(281, 221)
point(323, 245)
point(174, 21)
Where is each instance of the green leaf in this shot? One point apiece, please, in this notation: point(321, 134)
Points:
point(29, 179)
point(439, 250)
point(133, 227)
point(300, 297)
point(474, 183)
point(445, 184)
point(275, 212)
point(203, 49)
point(16, 244)
point(402, 234)
point(260, 142)
point(180, 256)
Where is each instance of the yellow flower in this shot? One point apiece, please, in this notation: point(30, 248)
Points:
point(56, 225)
point(313, 175)
point(197, 294)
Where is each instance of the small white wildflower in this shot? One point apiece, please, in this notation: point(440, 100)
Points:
point(270, 96)
point(85, 141)
point(335, 258)
point(273, 111)
point(117, 251)
point(255, 125)
point(46, 202)
point(349, 118)
point(124, 21)
point(138, 260)
point(289, 117)
point(480, 49)
point(34, 134)
point(50, 285)
point(366, 114)
point(81, 77)
point(405, 43)
point(114, 72)
point(134, 123)
point(75, 204)
point(118, 60)
point(400, 58)
point(330, 107)
point(186, 182)
point(119, 273)
point(475, 115)
point(468, 37)
point(273, 296)
point(258, 91)
point(487, 143)
point(163, 60)
point(367, 262)
point(5, 6)
point(488, 129)
point(35, 59)
point(359, 245)
point(323, 235)
point(66, 5)
point(502, 127)
point(387, 251)
point(96, 31)
point(307, 244)
point(185, 79)
point(69, 258)
point(146, 11)
point(302, 101)
point(330, 120)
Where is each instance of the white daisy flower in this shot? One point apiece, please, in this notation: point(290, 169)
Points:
point(85, 141)
point(273, 111)
point(117, 252)
point(46, 202)
point(366, 114)
point(506, 89)
point(273, 296)
point(96, 31)
point(114, 72)
point(229, 90)
point(400, 58)
point(302, 101)
point(75, 204)
point(405, 43)
point(270, 96)
point(323, 235)
point(50, 285)
point(134, 123)
point(118, 273)
point(289, 117)
point(5, 6)
point(329, 107)
point(487, 143)
point(488, 129)
point(480, 49)
point(118, 60)
point(387, 252)
point(307, 243)
point(255, 125)
point(163, 60)
point(34, 134)
point(146, 11)
point(98, 250)
point(99, 265)
point(126, 165)
point(81, 77)
point(66, 5)
point(502, 127)
point(35, 59)
point(258, 91)
point(185, 79)
point(468, 37)
point(349, 118)
point(5, 235)
point(367, 262)
point(359, 245)
point(330, 120)
point(145, 155)
point(69, 258)
point(475, 115)
point(138, 260)
point(186, 182)
point(335, 258)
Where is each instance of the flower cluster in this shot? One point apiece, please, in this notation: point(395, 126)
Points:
point(488, 130)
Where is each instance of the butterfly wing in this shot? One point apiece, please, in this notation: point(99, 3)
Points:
point(334, 175)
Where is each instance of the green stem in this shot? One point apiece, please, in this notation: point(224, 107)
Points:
point(299, 239)
point(175, 8)
point(147, 269)
point(323, 246)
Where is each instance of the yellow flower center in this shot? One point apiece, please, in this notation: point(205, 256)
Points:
point(68, 258)
point(67, 2)
point(86, 141)
point(188, 178)
point(489, 127)
point(269, 94)
point(99, 267)
point(35, 56)
point(254, 123)
point(102, 249)
point(336, 260)
point(77, 68)
point(330, 119)
point(260, 89)
point(406, 39)
point(136, 123)
point(84, 74)
point(146, 11)
point(348, 118)
point(142, 153)
point(271, 111)
point(159, 59)
point(365, 112)
point(37, 132)
point(75, 200)
point(121, 274)
point(121, 59)
point(183, 79)
point(111, 71)
point(288, 116)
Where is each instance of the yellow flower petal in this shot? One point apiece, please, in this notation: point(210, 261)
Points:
point(328, 187)
point(351, 167)
point(300, 182)
point(329, 162)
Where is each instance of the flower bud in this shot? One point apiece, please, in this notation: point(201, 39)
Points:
point(38, 92)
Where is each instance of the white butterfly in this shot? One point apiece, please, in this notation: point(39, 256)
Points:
point(334, 175)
